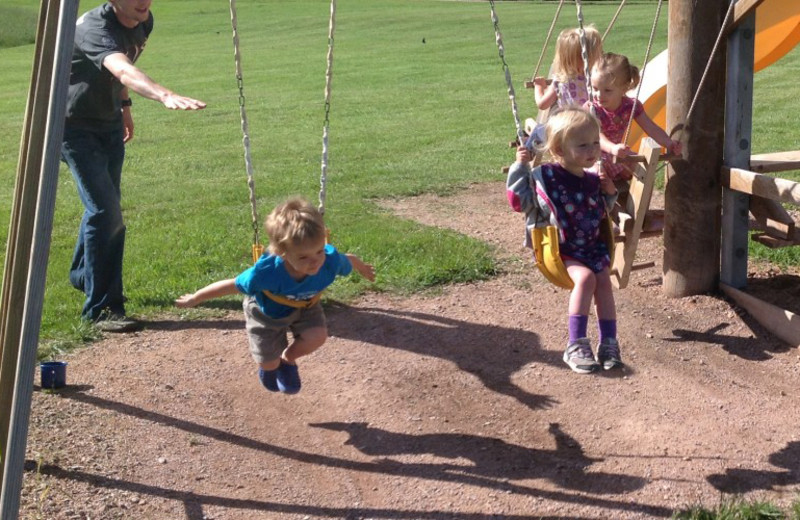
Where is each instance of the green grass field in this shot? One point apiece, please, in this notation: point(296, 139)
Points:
point(419, 105)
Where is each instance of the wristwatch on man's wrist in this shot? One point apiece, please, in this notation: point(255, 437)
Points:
point(127, 102)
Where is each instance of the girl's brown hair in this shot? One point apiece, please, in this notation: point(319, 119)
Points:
point(619, 69)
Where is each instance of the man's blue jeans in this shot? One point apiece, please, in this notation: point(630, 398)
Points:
point(95, 159)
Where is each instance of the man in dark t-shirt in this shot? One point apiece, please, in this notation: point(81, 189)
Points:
point(108, 41)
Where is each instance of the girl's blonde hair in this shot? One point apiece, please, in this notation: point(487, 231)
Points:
point(619, 69)
point(293, 223)
point(563, 123)
point(568, 61)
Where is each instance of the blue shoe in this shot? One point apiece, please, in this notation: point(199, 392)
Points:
point(269, 379)
point(288, 378)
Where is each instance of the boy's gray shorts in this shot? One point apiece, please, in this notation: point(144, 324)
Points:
point(268, 336)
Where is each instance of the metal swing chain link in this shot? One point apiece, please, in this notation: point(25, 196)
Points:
point(587, 72)
point(323, 179)
point(245, 127)
point(587, 69)
point(501, 51)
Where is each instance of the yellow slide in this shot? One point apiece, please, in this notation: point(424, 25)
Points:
point(777, 32)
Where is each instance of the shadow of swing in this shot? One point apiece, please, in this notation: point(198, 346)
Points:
point(495, 462)
point(490, 457)
point(757, 348)
point(738, 481)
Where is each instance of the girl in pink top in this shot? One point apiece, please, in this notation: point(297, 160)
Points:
point(613, 76)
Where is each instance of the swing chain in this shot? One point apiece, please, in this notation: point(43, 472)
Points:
point(587, 72)
point(245, 128)
point(506, 72)
point(323, 179)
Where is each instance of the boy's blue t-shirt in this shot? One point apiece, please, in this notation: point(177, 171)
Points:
point(269, 273)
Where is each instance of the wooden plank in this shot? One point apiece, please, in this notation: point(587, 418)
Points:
point(645, 265)
point(780, 322)
point(641, 191)
point(742, 9)
point(531, 84)
point(773, 242)
point(772, 217)
point(775, 162)
point(752, 183)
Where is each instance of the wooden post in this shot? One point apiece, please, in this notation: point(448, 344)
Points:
point(693, 188)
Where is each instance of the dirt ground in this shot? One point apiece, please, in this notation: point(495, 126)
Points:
point(449, 405)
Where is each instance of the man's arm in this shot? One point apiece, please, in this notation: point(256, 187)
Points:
point(135, 79)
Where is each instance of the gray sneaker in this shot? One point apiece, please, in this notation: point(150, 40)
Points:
point(579, 357)
point(118, 323)
point(608, 354)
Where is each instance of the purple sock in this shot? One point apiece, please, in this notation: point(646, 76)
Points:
point(608, 329)
point(577, 326)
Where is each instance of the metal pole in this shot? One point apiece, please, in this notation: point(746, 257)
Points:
point(738, 139)
point(24, 206)
point(42, 229)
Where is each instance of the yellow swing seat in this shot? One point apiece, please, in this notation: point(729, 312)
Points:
point(548, 256)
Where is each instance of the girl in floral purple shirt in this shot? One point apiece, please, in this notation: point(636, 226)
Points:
point(567, 86)
point(574, 198)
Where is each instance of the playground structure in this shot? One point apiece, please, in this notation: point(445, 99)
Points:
point(43, 107)
point(775, 32)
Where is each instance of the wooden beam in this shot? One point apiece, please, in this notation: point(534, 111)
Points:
point(775, 162)
point(772, 217)
point(774, 242)
point(641, 190)
point(780, 322)
point(753, 183)
point(741, 10)
point(531, 84)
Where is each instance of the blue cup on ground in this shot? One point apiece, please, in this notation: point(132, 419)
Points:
point(54, 374)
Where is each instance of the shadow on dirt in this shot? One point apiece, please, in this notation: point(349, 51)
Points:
point(736, 480)
point(757, 348)
point(490, 353)
point(495, 463)
point(174, 325)
point(491, 457)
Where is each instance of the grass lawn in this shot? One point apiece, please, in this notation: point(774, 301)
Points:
point(419, 105)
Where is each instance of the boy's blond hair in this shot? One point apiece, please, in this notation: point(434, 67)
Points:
point(619, 69)
point(568, 61)
point(293, 223)
point(561, 124)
